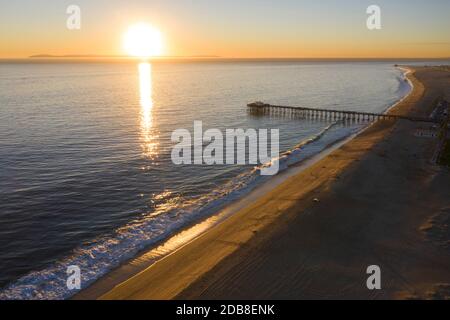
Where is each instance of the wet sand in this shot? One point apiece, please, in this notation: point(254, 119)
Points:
point(375, 200)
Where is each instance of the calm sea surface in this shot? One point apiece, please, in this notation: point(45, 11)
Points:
point(86, 176)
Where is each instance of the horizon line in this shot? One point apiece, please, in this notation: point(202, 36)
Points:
point(210, 57)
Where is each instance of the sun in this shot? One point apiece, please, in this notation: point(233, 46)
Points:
point(142, 40)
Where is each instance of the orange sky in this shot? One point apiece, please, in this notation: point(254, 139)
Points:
point(331, 29)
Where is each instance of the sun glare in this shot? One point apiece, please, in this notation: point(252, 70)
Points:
point(142, 40)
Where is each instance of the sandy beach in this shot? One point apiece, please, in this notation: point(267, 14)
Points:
point(377, 199)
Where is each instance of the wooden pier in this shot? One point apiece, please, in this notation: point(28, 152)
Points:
point(265, 108)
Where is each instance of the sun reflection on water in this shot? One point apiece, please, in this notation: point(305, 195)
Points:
point(149, 142)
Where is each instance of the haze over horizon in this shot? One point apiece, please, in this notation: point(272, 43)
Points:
point(231, 29)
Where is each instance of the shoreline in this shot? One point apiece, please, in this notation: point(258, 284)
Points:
point(381, 201)
point(124, 275)
point(185, 236)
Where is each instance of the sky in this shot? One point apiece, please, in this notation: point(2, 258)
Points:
point(231, 28)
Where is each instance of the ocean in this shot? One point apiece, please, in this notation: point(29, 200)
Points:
point(86, 176)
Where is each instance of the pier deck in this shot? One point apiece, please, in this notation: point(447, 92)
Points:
point(265, 108)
